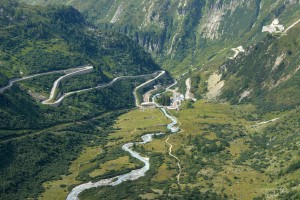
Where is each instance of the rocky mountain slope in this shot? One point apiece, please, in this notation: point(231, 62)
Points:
point(268, 74)
point(187, 33)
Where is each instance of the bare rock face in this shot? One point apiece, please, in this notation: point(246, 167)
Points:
point(214, 17)
point(215, 85)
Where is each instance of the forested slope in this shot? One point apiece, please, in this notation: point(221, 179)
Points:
point(38, 142)
point(38, 39)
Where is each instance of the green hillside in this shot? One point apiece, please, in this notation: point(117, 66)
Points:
point(270, 70)
point(37, 39)
point(37, 141)
point(184, 34)
point(237, 139)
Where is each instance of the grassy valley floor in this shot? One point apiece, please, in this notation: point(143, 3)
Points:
point(223, 149)
point(96, 162)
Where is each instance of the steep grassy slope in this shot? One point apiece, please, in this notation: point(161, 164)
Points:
point(186, 33)
point(38, 142)
point(36, 39)
point(269, 71)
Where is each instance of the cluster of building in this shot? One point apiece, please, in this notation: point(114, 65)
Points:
point(149, 103)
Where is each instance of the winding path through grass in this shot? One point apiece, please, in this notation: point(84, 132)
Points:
point(291, 26)
point(178, 160)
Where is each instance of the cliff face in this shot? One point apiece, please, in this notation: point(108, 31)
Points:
point(177, 32)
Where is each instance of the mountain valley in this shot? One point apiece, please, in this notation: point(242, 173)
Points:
point(158, 99)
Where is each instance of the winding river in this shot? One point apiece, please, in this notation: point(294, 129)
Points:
point(134, 174)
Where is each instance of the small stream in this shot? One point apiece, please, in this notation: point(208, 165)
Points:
point(134, 174)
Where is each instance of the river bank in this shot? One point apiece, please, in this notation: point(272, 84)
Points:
point(134, 174)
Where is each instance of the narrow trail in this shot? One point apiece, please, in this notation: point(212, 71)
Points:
point(172, 85)
point(173, 129)
point(291, 26)
point(175, 122)
point(267, 122)
point(178, 160)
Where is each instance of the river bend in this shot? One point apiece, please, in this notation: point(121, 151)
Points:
point(134, 174)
